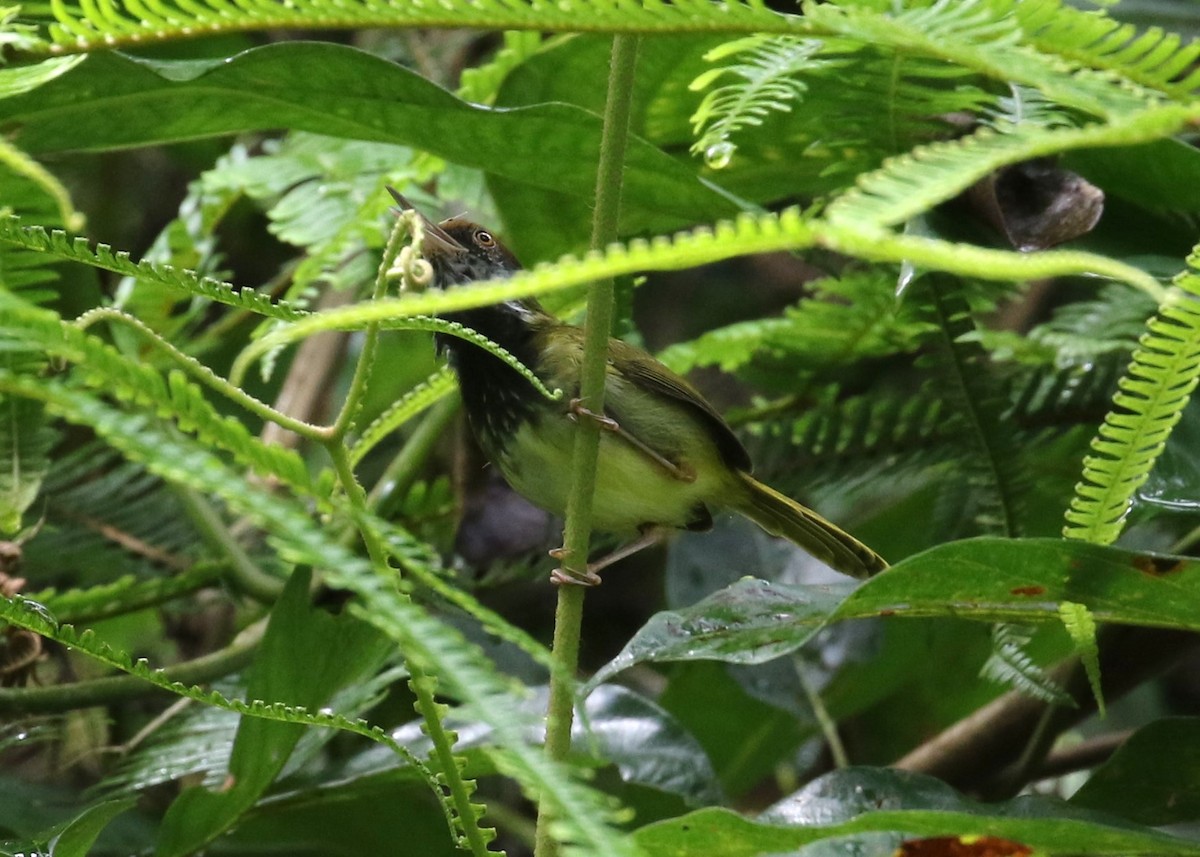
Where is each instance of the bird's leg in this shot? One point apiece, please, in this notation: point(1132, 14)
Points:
point(680, 472)
point(650, 536)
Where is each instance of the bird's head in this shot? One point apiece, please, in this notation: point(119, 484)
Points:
point(461, 251)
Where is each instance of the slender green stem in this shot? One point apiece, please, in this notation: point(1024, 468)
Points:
point(402, 472)
point(357, 498)
point(202, 373)
point(825, 721)
point(113, 689)
point(366, 360)
point(244, 572)
point(569, 613)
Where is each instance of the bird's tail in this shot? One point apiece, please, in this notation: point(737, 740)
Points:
point(783, 516)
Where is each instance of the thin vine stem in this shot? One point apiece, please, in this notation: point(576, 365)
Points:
point(113, 689)
point(244, 573)
point(569, 612)
point(201, 372)
point(366, 360)
point(422, 683)
point(402, 471)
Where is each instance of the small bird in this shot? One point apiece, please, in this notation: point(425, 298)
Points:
point(666, 456)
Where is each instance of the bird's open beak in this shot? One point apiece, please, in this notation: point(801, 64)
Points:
point(437, 239)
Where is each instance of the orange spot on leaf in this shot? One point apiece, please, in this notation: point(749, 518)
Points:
point(963, 846)
point(1157, 565)
point(1029, 590)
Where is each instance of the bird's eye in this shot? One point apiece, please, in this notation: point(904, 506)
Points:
point(484, 239)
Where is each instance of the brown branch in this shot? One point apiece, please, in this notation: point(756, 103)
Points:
point(1086, 754)
point(975, 753)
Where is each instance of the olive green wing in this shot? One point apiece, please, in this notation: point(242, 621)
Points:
point(642, 369)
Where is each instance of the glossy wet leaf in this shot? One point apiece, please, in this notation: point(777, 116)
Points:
point(862, 802)
point(648, 746)
point(995, 579)
point(988, 579)
point(750, 622)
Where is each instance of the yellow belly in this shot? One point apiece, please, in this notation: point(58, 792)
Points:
point(632, 489)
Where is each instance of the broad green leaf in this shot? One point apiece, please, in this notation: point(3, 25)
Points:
point(750, 622)
point(617, 726)
point(379, 816)
point(993, 579)
point(648, 745)
point(114, 101)
point(867, 800)
point(1152, 776)
point(988, 579)
point(1159, 175)
point(306, 655)
point(76, 837)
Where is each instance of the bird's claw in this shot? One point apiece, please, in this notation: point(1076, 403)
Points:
point(575, 410)
point(563, 577)
point(682, 472)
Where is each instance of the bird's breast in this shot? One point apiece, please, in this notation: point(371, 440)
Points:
point(631, 490)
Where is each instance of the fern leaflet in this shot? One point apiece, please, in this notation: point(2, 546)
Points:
point(1149, 401)
point(57, 245)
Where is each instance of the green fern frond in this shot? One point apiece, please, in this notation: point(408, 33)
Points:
point(107, 518)
point(839, 433)
point(1068, 394)
point(127, 595)
point(913, 183)
point(448, 768)
point(57, 245)
point(103, 367)
point(766, 80)
point(25, 613)
point(363, 315)
point(399, 545)
point(864, 96)
point(433, 390)
point(1081, 331)
point(1150, 57)
point(1025, 106)
point(1151, 397)
point(487, 696)
point(1081, 628)
point(1010, 665)
point(788, 230)
point(848, 317)
point(988, 42)
point(120, 23)
point(977, 408)
point(482, 83)
point(26, 439)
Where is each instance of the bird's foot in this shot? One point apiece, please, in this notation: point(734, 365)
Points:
point(562, 577)
point(565, 577)
point(652, 535)
point(680, 471)
point(575, 410)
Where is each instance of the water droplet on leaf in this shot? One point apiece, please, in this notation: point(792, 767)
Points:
point(718, 155)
